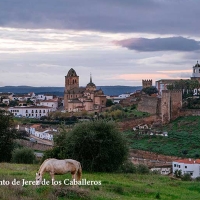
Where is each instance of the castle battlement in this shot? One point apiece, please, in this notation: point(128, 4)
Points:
point(146, 83)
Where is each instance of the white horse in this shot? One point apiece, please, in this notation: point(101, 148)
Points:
point(54, 166)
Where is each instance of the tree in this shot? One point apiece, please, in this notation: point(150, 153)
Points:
point(7, 135)
point(23, 155)
point(150, 90)
point(98, 145)
point(13, 103)
point(109, 103)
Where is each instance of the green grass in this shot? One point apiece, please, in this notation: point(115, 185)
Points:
point(113, 186)
point(183, 139)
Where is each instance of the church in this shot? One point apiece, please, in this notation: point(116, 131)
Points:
point(82, 98)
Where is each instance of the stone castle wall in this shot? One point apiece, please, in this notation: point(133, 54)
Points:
point(176, 103)
point(148, 104)
point(168, 107)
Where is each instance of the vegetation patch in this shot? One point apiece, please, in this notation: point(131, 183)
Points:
point(183, 139)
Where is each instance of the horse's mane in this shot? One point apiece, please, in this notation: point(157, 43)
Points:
point(44, 163)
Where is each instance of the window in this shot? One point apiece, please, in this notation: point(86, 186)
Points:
point(43, 111)
point(174, 165)
point(26, 111)
point(36, 111)
point(40, 111)
point(179, 166)
point(32, 111)
point(186, 167)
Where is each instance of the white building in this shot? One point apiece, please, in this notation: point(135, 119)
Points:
point(37, 131)
point(162, 170)
point(30, 111)
point(124, 95)
point(44, 96)
point(53, 103)
point(187, 166)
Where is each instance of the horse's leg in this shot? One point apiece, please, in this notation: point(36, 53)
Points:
point(52, 177)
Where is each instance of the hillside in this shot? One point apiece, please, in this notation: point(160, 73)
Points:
point(59, 91)
point(113, 186)
point(183, 139)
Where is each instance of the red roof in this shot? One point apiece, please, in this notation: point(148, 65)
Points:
point(188, 161)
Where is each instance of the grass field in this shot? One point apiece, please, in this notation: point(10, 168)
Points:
point(113, 186)
point(183, 139)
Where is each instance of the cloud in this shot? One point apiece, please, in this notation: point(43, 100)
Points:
point(146, 16)
point(160, 44)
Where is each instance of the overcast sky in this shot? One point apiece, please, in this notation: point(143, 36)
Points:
point(120, 42)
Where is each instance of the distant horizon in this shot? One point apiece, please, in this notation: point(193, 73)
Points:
point(79, 86)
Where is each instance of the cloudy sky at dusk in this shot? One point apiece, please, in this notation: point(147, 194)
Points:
point(120, 42)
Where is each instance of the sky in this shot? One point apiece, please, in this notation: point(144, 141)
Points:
point(120, 42)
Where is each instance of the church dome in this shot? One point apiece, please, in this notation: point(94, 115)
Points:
point(71, 72)
point(90, 84)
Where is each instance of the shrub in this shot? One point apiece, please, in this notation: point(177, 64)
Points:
point(142, 169)
point(197, 178)
point(127, 167)
point(178, 173)
point(23, 155)
point(98, 145)
point(186, 177)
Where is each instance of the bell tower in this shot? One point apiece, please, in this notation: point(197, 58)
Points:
point(71, 80)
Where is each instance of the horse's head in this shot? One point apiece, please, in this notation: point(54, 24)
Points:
point(38, 178)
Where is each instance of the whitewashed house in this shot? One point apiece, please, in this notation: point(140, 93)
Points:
point(6, 101)
point(124, 95)
point(52, 103)
point(162, 170)
point(187, 166)
point(30, 111)
point(37, 131)
point(44, 97)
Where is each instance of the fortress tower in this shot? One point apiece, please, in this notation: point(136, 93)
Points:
point(146, 83)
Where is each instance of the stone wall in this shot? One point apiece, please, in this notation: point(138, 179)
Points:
point(171, 104)
point(165, 106)
point(148, 104)
point(176, 103)
point(35, 146)
point(190, 112)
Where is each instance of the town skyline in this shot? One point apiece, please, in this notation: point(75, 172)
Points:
point(119, 43)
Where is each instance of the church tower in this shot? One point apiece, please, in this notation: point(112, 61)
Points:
point(196, 72)
point(71, 83)
point(71, 80)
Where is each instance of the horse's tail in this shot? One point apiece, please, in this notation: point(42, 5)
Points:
point(79, 172)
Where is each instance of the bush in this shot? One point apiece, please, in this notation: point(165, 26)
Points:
point(98, 145)
point(23, 155)
point(178, 173)
point(197, 178)
point(142, 169)
point(186, 177)
point(127, 167)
